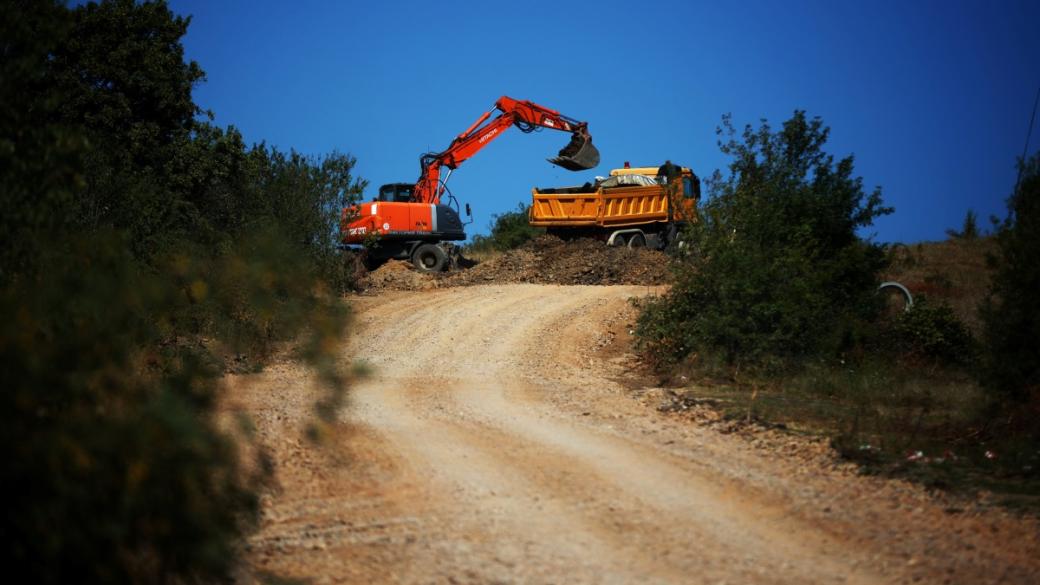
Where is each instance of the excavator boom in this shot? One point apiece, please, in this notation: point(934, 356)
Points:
point(578, 155)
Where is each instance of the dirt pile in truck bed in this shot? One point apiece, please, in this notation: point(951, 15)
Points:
point(545, 260)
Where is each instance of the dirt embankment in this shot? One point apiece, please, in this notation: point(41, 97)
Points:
point(545, 260)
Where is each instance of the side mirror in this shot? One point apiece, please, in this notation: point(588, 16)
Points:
point(469, 213)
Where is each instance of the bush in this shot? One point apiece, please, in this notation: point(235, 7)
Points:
point(139, 246)
point(110, 405)
point(109, 432)
point(933, 333)
point(777, 272)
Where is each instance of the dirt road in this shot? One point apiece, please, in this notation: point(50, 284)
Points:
point(493, 444)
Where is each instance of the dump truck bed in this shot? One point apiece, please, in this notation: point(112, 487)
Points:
point(630, 197)
point(613, 207)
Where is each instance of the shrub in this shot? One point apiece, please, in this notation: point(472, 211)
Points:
point(109, 433)
point(777, 271)
point(932, 332)
point(508, 231)
point(109, 412)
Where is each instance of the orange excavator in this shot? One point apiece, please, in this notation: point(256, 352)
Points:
point(410, 222)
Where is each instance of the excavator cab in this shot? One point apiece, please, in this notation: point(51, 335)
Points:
point(400, 192)
point(579, 154)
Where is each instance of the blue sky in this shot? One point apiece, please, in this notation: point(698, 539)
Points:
point(932, 98)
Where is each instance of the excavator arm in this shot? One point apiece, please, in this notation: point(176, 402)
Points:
point(579, 154)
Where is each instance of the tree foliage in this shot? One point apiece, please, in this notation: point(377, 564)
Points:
point(777, 270)
point(141, 245)
point(40, 159)
point(509, 230)
point(969, 227)
point(1011, 314)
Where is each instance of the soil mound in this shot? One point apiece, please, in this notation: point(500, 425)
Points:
point(545, 260)
point(397, 275)
point(550, 260)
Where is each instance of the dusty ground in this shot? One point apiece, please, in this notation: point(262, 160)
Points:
point(500, 439)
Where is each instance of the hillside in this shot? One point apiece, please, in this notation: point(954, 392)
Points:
point(953, 271)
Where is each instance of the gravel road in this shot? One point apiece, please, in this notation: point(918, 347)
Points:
point(501, 439)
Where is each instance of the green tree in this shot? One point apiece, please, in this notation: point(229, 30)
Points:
point(509, 230)
point(969, 228)
point(40, 159)
point(227, 190)
point(140, 245)
point(1011, 314)
point(777, 271)
point(125, 85)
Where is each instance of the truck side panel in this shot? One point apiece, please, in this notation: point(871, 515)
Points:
point(622, 206)
point(564, 209)
point(633, 206)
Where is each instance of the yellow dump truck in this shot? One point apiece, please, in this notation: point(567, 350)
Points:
point(633, 207)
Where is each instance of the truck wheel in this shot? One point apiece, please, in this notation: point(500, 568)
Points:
point(619, 241)
point(429, 258)
point(637, 241)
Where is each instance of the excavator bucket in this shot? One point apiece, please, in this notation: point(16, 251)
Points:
point(578, 155)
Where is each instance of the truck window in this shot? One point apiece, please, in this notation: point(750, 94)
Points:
point(687, 187)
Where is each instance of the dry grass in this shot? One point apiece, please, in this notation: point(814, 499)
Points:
point(953, 271)
point(480, 255)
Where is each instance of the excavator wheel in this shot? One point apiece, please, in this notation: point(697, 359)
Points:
point(578, 155)
point(429, 258)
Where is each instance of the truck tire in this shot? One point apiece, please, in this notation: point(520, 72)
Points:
point(620, 240)
point(637, 241)
point(429, 258)
point(672, 234)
